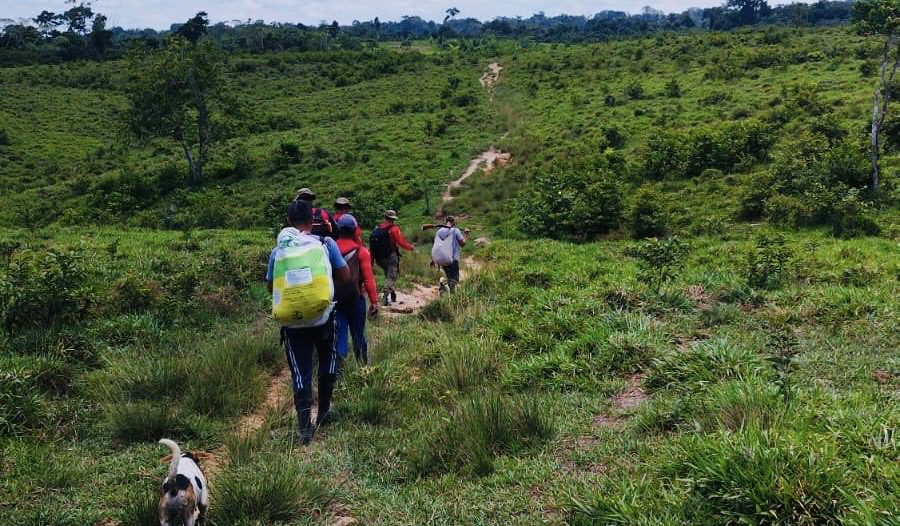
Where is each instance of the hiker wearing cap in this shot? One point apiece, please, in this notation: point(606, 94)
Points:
point(321, 225)
point(303, 272)
point(342, 206)
point(385, 244)
point(350, 319)
point(445, 251)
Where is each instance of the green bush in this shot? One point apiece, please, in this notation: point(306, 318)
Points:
point(768, 262)
point(648, 215)
point(4, 137)
point(660, 260)
point(577, 205)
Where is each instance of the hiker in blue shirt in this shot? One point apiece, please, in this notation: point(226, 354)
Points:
point(445, 251)
point(314, 332)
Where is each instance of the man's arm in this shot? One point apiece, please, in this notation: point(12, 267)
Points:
point(462, 237)
point(399, 240)
point(365, 266)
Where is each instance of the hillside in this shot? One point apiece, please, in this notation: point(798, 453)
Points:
point(685, 311)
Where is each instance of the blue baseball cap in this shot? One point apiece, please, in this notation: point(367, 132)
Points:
point(347, 221)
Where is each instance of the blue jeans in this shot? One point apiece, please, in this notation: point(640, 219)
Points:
point(352, 322)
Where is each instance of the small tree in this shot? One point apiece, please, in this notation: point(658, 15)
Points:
point(660, 260)
point(880, 17)
point(172, 92)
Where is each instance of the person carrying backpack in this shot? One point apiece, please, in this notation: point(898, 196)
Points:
point(385, 244)
point(445, 251)
point(342, 206)
point(302, 273)
point(322, 224)
point(350, 319)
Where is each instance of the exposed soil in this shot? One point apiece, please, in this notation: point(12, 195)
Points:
point(632, 396)
point(491, 76)
point(487, 160)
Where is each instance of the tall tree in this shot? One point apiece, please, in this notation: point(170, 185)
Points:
point(194, 28)
point(880, 17)
point(172, 94)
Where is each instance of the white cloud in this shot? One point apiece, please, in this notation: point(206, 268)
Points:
point(160, 14)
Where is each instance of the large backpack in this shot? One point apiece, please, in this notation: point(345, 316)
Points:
point(380, 243)
point(442, 249)
point(346, 293)
point(320, 226)
point(302, 286)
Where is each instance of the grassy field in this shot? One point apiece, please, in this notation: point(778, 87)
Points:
point(744, 371)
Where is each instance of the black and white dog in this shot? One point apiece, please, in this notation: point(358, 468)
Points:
point(185, 496)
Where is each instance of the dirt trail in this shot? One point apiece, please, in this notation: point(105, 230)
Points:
point(489, 159)
point(490, 77)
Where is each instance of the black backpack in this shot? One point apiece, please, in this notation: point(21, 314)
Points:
point(380, 243)
point(321, 227)
point(346, 293)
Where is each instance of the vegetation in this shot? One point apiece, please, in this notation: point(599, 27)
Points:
point(686, 313)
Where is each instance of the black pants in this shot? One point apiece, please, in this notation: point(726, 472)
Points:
point(452, 272)
point(299, 345)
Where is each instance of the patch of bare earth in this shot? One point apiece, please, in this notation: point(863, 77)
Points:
point(491, 76)
point(633, 395)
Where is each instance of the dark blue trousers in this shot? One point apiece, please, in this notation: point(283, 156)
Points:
point(352, 322)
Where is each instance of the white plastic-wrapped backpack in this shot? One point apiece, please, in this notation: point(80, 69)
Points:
point(302, 287)
point(442, 250)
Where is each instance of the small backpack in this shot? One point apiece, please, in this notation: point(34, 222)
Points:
point(380, 243)
point(442, 250)
point(346, 293)
point(302, 287)
point(320, 226)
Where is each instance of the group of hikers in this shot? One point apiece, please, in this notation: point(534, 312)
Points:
point(320, 276)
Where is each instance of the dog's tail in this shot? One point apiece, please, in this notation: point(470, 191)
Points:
point(176, 456)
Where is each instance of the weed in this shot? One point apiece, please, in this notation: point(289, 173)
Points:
point(660, 260)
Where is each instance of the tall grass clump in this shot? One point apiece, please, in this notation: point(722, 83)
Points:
point(466, 368)
point(707, 363)
point(229, 379)
point(763, 477)
point(266, 491)
point(144, 421)
point(480, 429)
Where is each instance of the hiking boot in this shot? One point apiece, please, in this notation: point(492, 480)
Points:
point(386, 301)
point(393, 297)
point(303, 405)
point(326, 389)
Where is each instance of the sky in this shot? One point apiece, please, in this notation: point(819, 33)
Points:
point(159, 14)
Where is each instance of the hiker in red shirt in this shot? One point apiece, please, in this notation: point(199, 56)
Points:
point(321, 225)
point(385, 245)
point(342, 206)
point(350, 314)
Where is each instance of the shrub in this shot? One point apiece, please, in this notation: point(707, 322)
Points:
point(660, 260)
point(648, 216)
point(575, 205)
point(479, 429)
point(43, 288)
point(266, 491)
point(4, 137)
point(767, 264)
point(634, 91)
point(673, 89)
point(134, 294)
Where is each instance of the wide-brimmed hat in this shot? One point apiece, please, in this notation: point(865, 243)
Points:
point(305, 193)
point(342, 201)
point(391, 214)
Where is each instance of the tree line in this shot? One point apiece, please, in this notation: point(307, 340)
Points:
point(80, 33)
